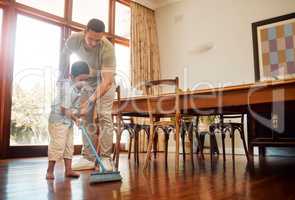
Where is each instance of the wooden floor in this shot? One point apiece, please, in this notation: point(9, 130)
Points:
point(270, 179)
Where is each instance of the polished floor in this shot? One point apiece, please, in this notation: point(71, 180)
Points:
point(269, 179)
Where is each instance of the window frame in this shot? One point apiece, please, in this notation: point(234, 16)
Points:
point(10, 10)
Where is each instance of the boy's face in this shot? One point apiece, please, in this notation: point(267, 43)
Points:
point(92, 38)
point(79, 80)
point(81, 77)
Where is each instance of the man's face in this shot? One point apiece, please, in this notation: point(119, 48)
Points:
point(92, 38)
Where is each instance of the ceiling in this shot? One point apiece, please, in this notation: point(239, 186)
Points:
point(154, 4)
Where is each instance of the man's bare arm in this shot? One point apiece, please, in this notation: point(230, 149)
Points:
point(107, 77)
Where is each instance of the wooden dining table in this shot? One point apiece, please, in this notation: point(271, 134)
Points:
point(260, 101)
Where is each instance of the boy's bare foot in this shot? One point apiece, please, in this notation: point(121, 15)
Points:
point(72, 174)
point(49, 176)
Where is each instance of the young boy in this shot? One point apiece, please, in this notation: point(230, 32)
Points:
point(64, 111)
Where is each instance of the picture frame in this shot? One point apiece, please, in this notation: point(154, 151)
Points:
point(274, 48)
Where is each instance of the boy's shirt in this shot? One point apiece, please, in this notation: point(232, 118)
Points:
point(86, 92)
point(68, 96)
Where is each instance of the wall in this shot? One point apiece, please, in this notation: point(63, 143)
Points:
point(209, 42)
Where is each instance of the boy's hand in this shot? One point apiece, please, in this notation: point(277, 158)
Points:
point(92, 98)
point(77, 121)
point(83, 109)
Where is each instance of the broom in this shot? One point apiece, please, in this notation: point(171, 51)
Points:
point(102, 175)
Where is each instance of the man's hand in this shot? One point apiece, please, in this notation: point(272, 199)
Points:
point(84, 108)
point(71, 115)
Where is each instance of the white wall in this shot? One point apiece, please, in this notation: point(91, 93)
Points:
point(211, 40)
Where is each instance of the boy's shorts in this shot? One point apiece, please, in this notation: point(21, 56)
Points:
point(61, 141)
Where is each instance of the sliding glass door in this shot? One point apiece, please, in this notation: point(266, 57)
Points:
point(34, 33)
point(1, 19)
point(36, 59)
point(1, 16)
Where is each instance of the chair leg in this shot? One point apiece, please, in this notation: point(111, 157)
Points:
point(115, 152)
point(222, 136)
point(190, 132)
point(149, 149)
point(233, 144)
point(166, 146)
point(136, 146)
point(215, 145)
point(155, 146)
point(200, 139)
point(118, 149)
point(130, 146)
point(223, 145)
point(148, 138)
point(211, 147)
point(182, 131)
point(177, 130)
point(244, 143)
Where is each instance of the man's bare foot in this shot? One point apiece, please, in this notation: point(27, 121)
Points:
point(49, 176)
point(72, 174)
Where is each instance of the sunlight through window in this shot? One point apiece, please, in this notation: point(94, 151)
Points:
point(84, 10)
point(1, 16)
point(36, 60)
point(123, 68)
point(55, 7)
point(123, 20)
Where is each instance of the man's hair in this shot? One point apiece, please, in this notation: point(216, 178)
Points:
point(79, 68)
point(95, 25)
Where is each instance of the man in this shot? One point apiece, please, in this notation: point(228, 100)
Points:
point(93, 48)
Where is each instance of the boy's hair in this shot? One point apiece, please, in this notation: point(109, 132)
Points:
point(95, 25)
point(79, 68)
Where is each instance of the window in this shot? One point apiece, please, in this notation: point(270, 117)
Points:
point(84, 10)
point(36, 61)
point(77, 134)
point(55, 7)
point(36, 42)
point(1, 16)
point(123, 68)
point(123, 17)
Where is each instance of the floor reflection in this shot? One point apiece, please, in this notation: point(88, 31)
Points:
point(266, 178)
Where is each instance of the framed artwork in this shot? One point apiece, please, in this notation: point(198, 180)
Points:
point(274, 48)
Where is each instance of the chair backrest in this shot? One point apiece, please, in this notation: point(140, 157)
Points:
point(118, 97)
point(150, 84)
point(123, 119)
point(230, 117)
point(117, 113)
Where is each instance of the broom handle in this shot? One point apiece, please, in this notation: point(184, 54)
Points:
point(84, 131)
